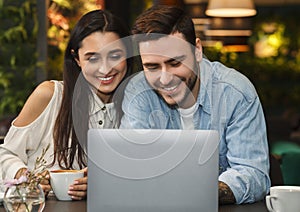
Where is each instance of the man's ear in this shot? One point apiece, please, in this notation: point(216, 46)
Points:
point(198, 50)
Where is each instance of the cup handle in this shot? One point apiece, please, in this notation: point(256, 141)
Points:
point(269, 203)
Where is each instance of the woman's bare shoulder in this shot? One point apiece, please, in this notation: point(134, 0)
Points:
point(35, 104)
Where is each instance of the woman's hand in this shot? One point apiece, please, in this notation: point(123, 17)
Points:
point(78, 190)
point(45, 182)
point(21, 172)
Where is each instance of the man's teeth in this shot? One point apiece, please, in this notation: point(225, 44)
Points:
point(170, 88)
point(105, 78)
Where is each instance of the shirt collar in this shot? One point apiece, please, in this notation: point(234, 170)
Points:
point(97, 105)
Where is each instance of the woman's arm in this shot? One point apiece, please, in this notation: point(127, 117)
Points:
point(13, 153)
point(35, 104)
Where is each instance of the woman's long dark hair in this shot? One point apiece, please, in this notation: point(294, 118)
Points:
point(73, 117)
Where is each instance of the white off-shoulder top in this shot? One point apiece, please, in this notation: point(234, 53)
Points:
point(22, 145)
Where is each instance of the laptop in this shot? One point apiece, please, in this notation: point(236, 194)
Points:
point(148, 170)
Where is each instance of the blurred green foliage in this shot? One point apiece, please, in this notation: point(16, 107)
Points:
point(276, 76)
point(18, 59)
point(18, 46)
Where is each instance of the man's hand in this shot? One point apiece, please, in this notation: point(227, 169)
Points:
point(225, 194)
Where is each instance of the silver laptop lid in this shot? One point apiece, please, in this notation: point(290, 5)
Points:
point(152, 170)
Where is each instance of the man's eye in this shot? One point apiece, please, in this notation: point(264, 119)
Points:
point(151, 68)
point(175, 63)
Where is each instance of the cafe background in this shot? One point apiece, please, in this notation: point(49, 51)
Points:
point(264, 47)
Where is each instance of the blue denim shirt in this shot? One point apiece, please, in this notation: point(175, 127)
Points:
point(228, 103)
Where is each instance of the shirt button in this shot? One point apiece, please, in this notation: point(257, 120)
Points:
point(100, 122)
point(104, 108)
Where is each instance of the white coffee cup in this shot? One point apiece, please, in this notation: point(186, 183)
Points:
point(283, 199)
point(60, 181)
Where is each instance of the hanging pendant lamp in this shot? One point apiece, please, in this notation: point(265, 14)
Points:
point(230, 8)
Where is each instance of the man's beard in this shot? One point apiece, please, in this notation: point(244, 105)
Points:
point(190, 85)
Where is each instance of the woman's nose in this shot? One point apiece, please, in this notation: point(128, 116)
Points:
point(104, 68)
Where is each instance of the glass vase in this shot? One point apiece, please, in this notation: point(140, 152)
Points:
point(24, 198)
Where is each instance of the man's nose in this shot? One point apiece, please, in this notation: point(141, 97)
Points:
point(165, 77)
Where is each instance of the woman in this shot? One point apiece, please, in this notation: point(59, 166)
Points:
point(95, 64)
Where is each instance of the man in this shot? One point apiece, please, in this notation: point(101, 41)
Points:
point(179, 89)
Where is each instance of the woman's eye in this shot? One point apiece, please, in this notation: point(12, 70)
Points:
point(115, 56)
point(94, 59)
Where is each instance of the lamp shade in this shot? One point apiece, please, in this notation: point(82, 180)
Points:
point(230, 8)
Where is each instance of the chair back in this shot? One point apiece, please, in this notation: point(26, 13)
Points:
point(290, 166)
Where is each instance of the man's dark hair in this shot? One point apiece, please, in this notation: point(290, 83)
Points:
point(161, 20)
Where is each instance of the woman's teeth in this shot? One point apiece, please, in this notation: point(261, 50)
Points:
point(105, 78)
